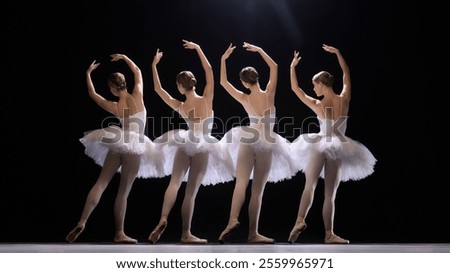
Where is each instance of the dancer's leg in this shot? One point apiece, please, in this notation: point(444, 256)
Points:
point(197, 170)
point(110, 166)
point(130, 168)
point(261, 170)
point(244, 167)
point(332, 181)
point(312, 174)
point(180, 166)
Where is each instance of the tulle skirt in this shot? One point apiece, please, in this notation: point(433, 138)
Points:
point(283, 166)
point(357, 162)
point(99, 142)
point(220, 165)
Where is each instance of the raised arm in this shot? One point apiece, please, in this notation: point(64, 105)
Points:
point(107, 105)
point(273, 66)
point(138, 88)
point(168, 99)
point(235, 93)
point(138, 82)
point(307, 100)
point(346, 83)
point(208, 92)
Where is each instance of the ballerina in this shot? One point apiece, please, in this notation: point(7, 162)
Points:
point(122, 149)
point(258, 152)
point(198, 157)
point(329, 154)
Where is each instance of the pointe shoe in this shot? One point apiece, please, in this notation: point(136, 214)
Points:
point(298, 228)
point(259, 239)
point(193, 240)
point(74, 233)
point(123, 239)
point(156, 233)
point(334, 239)
point(227, 232)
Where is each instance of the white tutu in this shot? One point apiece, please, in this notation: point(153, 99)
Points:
point(261, 137)
point(198, 140)
point(126, 139)
point(357, 162)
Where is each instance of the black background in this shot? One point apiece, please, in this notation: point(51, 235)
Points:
point(46, 48)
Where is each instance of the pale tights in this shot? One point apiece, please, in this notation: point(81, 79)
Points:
point(259, 162)
point(130, 166)
point(196, 165)
point(331, 184)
